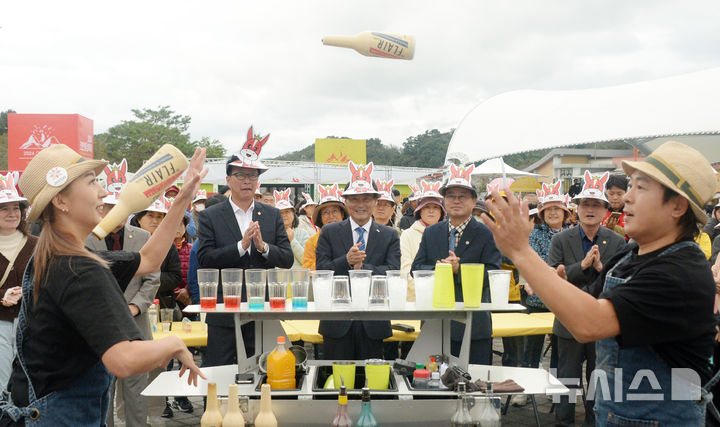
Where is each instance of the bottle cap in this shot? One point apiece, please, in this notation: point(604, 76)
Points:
point(419, 366)
point(421, 373)
point(156, 301)
point(281, 340)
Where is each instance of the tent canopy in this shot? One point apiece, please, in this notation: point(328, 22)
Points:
point(496, 167)
point(644, 114)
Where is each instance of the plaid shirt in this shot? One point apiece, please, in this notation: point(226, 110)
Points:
point(460, 228)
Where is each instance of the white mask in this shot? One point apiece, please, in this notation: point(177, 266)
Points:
point(199, 207)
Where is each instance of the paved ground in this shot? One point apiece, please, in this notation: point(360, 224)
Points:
point(516, 415)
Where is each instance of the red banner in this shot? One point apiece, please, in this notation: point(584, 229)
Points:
point(30, 133)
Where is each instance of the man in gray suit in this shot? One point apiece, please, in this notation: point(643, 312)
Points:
point(580, 252)
point(139, 296)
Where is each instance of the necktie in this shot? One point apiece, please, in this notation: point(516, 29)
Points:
point(453, 239)
point(117, 246)
point(361, 238)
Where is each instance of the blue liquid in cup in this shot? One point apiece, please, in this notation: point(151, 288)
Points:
point(256, 303)
point(299, 303)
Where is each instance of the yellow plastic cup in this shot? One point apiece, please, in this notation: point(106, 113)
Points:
point(377, 373)
point(444, 287)
point(347, 370)
point(472, 276)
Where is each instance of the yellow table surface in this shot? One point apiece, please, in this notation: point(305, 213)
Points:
point(196, 338)
point(521, 324)
point(307, 330)
point(504, 325)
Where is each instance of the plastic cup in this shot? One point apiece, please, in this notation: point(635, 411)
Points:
point(277, 288)
point(499, 286)
point(299, 281)
point(377, 374)
point(472, 283)
point(360, 287)
point(347, 370)
point(322, 281)
point(255, 280)
point(443, 286)
point(340, 297)
point(207, 285)
point(232, 287)
point(378, 299)
point(397, 289)
point(166, 318)
point(424, 284)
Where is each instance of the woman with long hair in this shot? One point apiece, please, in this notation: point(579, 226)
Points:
point(75, 328)
point(297, 235)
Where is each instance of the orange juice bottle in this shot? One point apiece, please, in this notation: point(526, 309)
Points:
point(281, 367)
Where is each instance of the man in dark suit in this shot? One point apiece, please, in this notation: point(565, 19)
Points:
point(458, 240)
point(582, 251)
point(357, 243)
point(239, 233)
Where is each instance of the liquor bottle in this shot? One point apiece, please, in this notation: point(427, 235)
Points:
point(233, 416)
point(461, 417)
point(366, 419)
point(212, 416)
point(374, 43)
point(150, 181)
point(265, 418)
point(342, 419)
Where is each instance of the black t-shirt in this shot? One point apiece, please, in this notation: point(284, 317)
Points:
point(80, 313)
point(668, 304)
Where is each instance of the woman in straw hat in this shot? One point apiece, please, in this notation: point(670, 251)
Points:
point(75, 329)
point(16, 247)
point(651, 309)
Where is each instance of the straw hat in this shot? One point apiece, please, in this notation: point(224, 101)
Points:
point(49, 172)
point(682, 169)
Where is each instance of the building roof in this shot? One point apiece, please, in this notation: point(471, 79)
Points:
point(603, 154)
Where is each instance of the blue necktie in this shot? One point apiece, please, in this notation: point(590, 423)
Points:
point(453, 239)
point(361, 238)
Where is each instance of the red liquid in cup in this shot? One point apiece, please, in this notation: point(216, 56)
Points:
point(277, 303)
point(232, 302)
point(208, 303)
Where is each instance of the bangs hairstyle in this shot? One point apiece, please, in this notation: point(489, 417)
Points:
point(53, 243)
point(295, 221)
point(689, 224)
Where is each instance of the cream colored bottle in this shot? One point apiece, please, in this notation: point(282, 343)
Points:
point(149, 182)
point(233, 416)
point(265, 418)
point(374, 43)
point(212, 416)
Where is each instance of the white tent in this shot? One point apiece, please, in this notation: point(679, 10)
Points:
point(497, 167)
point(644, 114)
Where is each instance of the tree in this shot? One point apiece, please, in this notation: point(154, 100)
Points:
point(137, 140)
point(4, 121)
point(4, 151)
point(213, 148)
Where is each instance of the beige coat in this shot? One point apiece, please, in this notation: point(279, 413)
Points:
point(409, 245)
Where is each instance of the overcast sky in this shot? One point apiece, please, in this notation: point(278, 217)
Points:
point(234, 63)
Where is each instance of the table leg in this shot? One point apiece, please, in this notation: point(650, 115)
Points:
point(535, 410)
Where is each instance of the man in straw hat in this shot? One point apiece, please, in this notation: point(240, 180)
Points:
point(651, 309)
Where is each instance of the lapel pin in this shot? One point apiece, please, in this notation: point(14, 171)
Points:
point(129, 236)
point(604, 242)
point(467, 242)
point(259, 213)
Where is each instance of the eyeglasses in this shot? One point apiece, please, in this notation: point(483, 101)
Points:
point(460, 197)
point(242, 176)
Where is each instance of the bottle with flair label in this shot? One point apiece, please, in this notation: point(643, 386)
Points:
point(149, 182)
point(374, 43)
